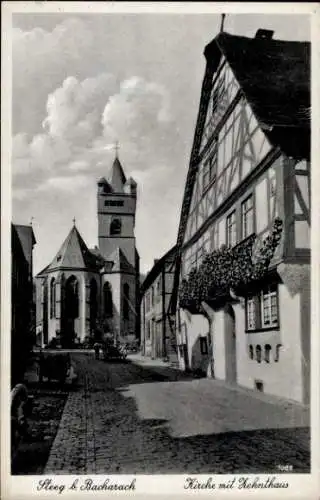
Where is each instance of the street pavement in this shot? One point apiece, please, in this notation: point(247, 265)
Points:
point(134, 418)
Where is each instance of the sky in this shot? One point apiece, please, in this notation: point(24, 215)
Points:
point(81, 82)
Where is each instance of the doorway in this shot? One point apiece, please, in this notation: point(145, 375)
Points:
point(230, 344)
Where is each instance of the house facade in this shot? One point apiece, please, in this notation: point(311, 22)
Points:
point(90, 293)
point(22, 303)
point(242, 281)
point(157, 337)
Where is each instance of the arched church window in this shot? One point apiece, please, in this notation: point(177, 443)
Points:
point(126, 299)
point(258, 353)
point(52, 298)
point(267, 350)
point(107, 300)
point(115, 227)
point(93, 305)
point(72, 297)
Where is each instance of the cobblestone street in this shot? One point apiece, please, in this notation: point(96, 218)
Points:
point(128, 418)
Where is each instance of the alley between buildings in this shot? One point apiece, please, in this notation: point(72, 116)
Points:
point(133, 419)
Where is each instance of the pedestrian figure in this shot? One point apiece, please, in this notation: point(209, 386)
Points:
point(96, 350)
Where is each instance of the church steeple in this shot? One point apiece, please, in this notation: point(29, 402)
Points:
point(117, 198)
point(117, 178)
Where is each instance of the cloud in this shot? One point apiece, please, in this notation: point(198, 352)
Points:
point(84, 118)
point(41, 60)
point(74, 109)
point(64, 184)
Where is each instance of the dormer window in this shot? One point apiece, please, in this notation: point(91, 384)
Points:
point(115, 227)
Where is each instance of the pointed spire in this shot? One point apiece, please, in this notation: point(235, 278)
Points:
point(74, 221)
point(117, 177)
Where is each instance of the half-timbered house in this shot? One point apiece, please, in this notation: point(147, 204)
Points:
point(242, 283)
point(156, 290)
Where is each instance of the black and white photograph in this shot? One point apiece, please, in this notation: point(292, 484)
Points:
point(159, 201)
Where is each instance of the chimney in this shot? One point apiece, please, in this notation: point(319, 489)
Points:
point(265, 34)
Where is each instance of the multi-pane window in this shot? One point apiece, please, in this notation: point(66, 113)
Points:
point(247, 217)
point(210, 169)
point(269, 306)
point(231, 229)
point(262, 309)
point(251, 313)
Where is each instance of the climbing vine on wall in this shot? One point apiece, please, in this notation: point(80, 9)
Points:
point(228, 268)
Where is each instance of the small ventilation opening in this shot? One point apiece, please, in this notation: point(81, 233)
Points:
point(266, 34)
point(258, 385)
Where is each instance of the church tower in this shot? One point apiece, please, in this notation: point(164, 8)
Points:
point(117, 198)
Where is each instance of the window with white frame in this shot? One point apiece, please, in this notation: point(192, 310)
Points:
point(270, 306)
point(251, 313)
point(262, 310)
point(231, 229)
point(247, 217)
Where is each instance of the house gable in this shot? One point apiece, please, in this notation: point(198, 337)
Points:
point(232, 145)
